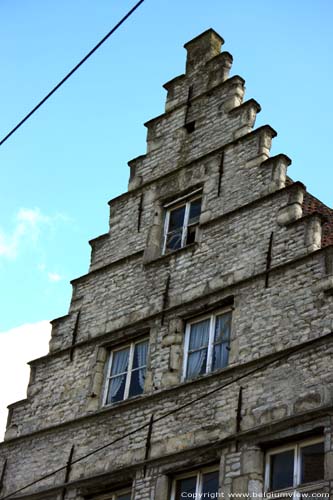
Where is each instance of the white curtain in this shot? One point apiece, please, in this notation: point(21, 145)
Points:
point(142, 351)
point(198, 343)
point(222, 327)
point(119, 365)
point(220, 356)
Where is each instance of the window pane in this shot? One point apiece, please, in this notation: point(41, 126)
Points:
point(137, 382)
point(119, 361)
point(210, 484)
point(195, 209)
point(124, 496)
point(282, 470)
point(116, 389)
point(140, 354)
point(187, 485)
point(174, 240)
point(176, 220)
point(196, 363)
point(222, 327)
point(198, 343)
point(312, 463)
point(220, 356)
point(199, 334)
point(190, 237)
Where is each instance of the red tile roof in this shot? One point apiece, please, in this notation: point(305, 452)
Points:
point(312, 204)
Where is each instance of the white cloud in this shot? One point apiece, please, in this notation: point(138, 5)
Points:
point(54, 277)
point(27, 228)
point(17, 347)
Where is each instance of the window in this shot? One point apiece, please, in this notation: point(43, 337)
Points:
point(181, 221)
point(290, 467)
point(200, 484)
point(207, 344)
point(118, 495)
point(122, 496)
point(126, 372)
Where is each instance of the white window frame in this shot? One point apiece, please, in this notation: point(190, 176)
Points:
point(180, 202)
point(194, 473)
point(211, 342)
point(296, 447)
point(108, 377)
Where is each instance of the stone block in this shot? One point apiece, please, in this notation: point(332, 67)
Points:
point(162, 488)
point(252, 461)
point(240, 484)
point(289, 214)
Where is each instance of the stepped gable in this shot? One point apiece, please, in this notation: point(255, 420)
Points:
point(200, 339)
point(311, 204)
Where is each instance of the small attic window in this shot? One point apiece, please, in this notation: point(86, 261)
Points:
point(190, 127)
point(181, 222)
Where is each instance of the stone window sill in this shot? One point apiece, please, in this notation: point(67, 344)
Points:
point(165, 390)
point(187, 249)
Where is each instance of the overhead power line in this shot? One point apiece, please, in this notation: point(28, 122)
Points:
point(271, 362)
point(71, 72)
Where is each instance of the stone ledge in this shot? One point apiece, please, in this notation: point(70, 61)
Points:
point(21, 402)
point(105, 266)
point(308, 217)
point(188, 248)
point(249, 103)
point(324, 285)
point(60, 319)
point(278, 157)
point(98, 238)
point(171, 82)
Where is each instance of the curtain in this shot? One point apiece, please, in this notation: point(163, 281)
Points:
point(222, 336)
point(119, 365)
point(220, 356)
point(222, 327)
point(141, 352)
point(198, 343)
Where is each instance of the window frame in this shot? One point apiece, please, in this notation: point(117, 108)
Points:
point(109, 377)
point(186, 201)
point(114, 495)
point(210, 348)
point(296, 447)
point(198, 474)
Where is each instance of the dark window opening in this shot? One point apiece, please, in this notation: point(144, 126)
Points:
point(312, 463)
point(282, 470)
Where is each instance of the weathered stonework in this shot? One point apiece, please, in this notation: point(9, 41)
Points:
point(258, 250)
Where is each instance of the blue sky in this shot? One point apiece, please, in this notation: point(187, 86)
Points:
point(60, 169)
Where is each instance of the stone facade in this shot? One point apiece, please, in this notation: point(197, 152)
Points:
point(263, 249)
